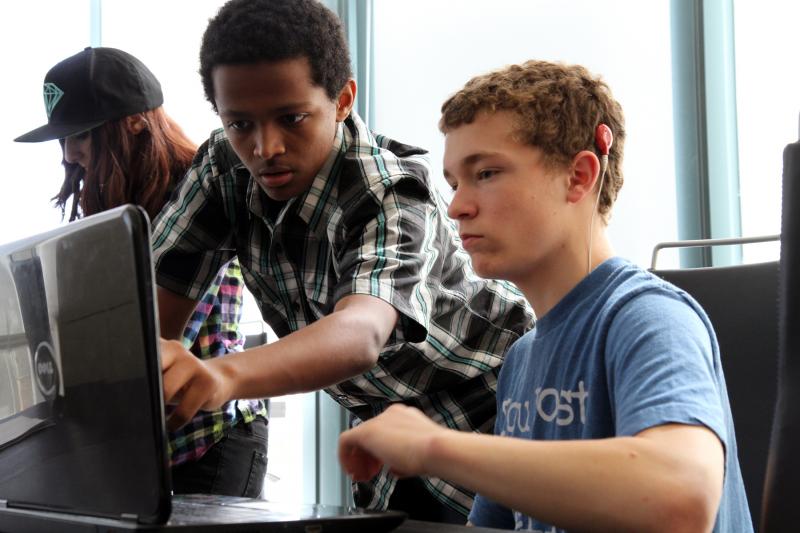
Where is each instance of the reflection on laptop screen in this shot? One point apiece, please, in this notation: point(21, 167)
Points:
point(29, 379)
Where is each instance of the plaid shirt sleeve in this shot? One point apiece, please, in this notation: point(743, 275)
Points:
point(213, 328)
point(191, 239)
point(394, 240)
point(384, 261)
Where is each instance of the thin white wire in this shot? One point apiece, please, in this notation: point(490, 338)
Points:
point(603, 166)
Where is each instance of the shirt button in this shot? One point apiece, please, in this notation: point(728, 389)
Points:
point(296, 306)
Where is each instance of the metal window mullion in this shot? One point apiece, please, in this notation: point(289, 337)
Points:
point(690, 128)
point(357, 17)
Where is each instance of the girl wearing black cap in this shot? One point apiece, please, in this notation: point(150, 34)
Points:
point(137, 159)
point(119, 146)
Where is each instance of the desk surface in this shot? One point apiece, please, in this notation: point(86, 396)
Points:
point(415, 526)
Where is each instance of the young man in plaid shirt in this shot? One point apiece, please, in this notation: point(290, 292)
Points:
point(343, 241)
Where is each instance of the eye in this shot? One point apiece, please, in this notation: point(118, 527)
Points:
point(487, 173)
point(238, 125)
point(294, 118)
point(450, 181)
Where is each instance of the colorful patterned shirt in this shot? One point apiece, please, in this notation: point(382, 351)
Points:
point(370, 223)
point(212, 331)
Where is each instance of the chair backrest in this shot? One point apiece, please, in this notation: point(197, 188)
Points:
point(781, 510)
point(741, 302)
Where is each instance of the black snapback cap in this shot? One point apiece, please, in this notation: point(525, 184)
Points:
point(93, 87)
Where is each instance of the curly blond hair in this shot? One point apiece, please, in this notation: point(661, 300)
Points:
point(558, 107)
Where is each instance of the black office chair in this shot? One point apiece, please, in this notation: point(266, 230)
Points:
point(781, 510)
point(741, 302)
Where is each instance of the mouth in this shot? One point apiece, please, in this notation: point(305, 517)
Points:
point(274, 177)
point(469, 240)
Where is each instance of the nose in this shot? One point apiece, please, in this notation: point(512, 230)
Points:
point(269, 142)
point(73, 150)
point(462, 205)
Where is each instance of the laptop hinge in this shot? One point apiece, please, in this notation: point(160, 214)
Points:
point(3, 504)
point(129, 517)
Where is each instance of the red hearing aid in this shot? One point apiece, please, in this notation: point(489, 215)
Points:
point(603, 138)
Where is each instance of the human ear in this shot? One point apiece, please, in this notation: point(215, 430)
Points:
point(135, 123)
point(584, 171)
point(345, 100)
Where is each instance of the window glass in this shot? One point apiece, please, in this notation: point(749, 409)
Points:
point(424, 51)
point(768, 108)
point(34, 36)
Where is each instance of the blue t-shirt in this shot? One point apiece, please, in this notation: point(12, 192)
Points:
point(622, 352)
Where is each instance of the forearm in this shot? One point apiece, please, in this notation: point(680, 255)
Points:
point(619, 484)
point(321, 354)
point(174, 312)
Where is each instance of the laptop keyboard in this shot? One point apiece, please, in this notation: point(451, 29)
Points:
point(209, 508)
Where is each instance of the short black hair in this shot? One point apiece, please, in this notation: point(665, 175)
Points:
point(252, 31)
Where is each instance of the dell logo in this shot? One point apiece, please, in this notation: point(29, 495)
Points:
point(45, 369)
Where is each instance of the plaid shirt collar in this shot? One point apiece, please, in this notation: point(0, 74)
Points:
point(318, 202)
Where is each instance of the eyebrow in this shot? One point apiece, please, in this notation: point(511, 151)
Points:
point(288, 108)
point(471, 160)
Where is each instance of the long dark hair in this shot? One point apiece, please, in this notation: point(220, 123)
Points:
point(124, 167)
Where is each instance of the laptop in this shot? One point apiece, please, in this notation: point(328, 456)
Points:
point(82, 434)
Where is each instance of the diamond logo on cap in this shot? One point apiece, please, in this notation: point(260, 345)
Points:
point(52, 94)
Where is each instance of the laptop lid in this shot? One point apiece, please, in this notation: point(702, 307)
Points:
point(82, 438)
point(81, 410)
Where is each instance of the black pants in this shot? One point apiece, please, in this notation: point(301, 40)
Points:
point(411, 495)
point(234, 466)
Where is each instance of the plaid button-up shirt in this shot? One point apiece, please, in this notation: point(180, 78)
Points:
point(370, 223)
point(212, 331)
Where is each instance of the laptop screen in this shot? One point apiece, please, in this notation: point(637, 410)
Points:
point(81, 416)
